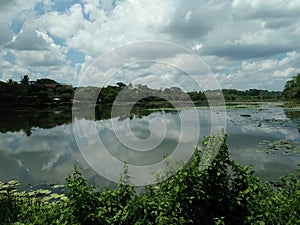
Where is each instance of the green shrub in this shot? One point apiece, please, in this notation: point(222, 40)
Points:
point(223, 192)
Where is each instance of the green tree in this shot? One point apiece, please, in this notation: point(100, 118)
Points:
point(292, 88)
point(121, 85)
point(65, 97)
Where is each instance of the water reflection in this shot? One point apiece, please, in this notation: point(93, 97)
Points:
point(28, 119)
point(270, 124)
point(38, 146)
point(294, 116)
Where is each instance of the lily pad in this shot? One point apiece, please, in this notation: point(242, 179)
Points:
point(278, 146)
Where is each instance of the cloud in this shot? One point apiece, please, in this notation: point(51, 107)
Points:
point(250, 39)
point(64, 25)
point(5, 4)
point(28, 40)
point(6, 34)
point(66, 37)
point(264, 74)
point(276, 23)
point(33, 48)
point(129, 21)
point(247, 9)
point(194, 19)
point(38, 58)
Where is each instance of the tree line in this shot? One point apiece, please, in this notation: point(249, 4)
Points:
point(145, 95)
point(41, 91)
point(48, 91)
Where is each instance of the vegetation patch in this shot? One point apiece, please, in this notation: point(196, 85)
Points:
point(283, 146)
point(222, 193)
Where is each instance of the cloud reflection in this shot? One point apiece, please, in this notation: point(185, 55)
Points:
point(48, 155)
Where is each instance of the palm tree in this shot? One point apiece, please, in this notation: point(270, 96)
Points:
point(25, 80)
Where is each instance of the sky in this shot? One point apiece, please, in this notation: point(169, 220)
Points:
point(242, 43)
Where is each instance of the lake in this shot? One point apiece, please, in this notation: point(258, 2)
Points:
point(38, 146)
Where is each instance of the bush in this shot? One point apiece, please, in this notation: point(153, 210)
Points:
point(222, 193)
point(65, 97)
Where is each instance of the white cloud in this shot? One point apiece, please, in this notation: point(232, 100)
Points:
point(64, 25)
point(249, 9)
point(287, 73)
point(28, 40)
point(197, 47)
point(240, 39)
point(129, 21)
point(264, 74)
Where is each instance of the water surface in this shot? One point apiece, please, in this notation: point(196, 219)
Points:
point(38, 147)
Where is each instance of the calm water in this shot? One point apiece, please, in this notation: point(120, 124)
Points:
point(38, 147)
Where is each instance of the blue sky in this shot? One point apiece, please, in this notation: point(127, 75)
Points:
point(246, 44)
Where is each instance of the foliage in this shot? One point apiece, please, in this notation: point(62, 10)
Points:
point(44, 90)
point(139, 93)
point(39, 92)
point(292, 88)
point(237, 95)
point(66, 97)
point(280, 206)
point(33, 207)
point(25, 80)
point(251, 94)
point(222, 193)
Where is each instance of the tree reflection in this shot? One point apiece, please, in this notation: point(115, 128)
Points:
point(294, 115)
point(14, 120)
